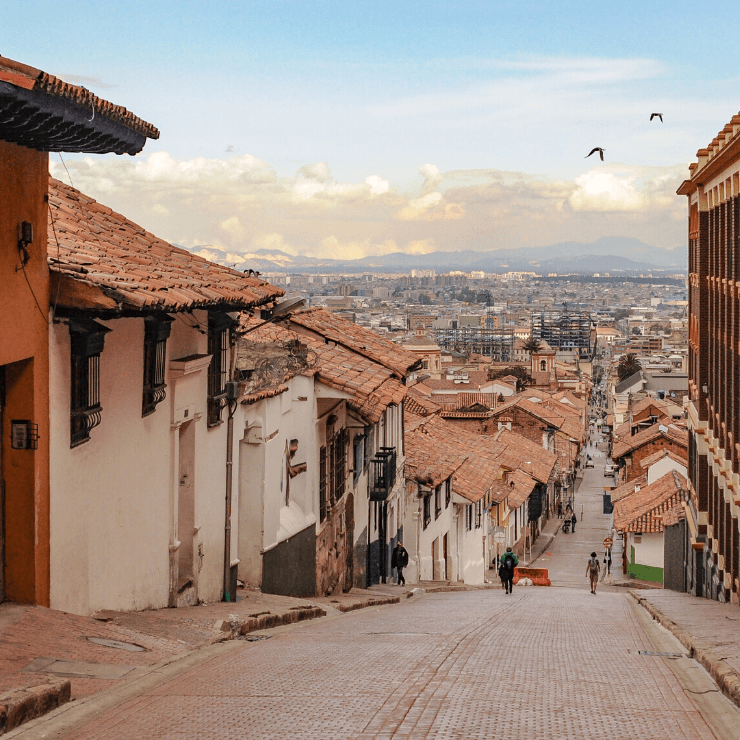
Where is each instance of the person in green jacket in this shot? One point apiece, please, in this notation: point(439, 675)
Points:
point(506, 571)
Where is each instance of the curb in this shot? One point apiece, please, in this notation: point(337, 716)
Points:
point(237, 627)
point(23, 705)
point(727, 678)
point(368, 602)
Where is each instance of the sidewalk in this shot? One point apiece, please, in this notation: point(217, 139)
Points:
point(48, 657)
point(707, 628)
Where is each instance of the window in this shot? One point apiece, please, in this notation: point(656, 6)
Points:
point(323, 509)
point(448, 492)
point(218, 326)
point(156, 332)
point(437, 501)
point(358, 457)
point(427, 510)
point(543, 365)
point(369, 444)
point(478, 514)
point(338, 464)
point(86, 343)
point(469, 516)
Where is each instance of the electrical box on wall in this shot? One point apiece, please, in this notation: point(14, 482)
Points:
point(24, 435)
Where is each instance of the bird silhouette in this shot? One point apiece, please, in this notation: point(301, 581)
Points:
point(596, 149)
point(660, 115)
point(229, 148)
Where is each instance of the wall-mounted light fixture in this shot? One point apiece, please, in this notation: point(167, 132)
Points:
point(25, 237)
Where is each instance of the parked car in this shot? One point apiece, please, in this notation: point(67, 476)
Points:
point(610, 470)
point(589, 463)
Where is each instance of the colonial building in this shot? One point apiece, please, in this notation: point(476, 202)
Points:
point(713, 510)
point(139, 356)
point(321, 454)
point(39, 114)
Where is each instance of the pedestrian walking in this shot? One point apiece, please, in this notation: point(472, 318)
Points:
point(593, 568)
point(506, 571)
point(608, 562)
point(399, 560)
point(573, 521)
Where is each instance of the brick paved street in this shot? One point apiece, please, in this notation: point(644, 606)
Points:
point(543, 663)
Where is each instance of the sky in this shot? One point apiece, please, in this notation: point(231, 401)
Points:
point(348, 129)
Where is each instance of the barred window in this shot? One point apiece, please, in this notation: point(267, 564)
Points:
point(427, 510)
point(469, 517)
point(156, 333)
point(437, 501)
point(338, 464)
point(478, 514)
point(86, 342)
point(218, 327)
point(323, 508)
point(448, 492)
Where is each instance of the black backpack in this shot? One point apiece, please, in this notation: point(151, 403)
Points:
point(509, 561)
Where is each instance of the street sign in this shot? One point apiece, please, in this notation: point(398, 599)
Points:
point(608, 542)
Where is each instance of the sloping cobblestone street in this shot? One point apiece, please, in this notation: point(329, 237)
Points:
point(542, 663)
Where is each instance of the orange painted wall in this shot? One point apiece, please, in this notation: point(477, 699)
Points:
point(24, 351)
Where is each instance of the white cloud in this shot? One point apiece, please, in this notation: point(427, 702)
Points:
point(239, 206)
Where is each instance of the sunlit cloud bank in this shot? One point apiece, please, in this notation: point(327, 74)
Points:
point(240, 205)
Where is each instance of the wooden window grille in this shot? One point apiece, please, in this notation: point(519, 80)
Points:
point(87, 340)
point(469, 517)
point(338, 465)
point(448, 493)
point(218, 327)
point(427, 510)
point(323, 503)
point(437, 501)
point(156, 333)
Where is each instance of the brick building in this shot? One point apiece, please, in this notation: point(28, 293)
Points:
point(713, 510)
point(629, 453)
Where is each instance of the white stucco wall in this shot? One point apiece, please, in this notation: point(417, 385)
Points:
point(649, 551)
point(472, 550)
point(659, 469)
point(114, 498)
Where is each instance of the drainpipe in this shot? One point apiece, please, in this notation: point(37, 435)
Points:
point(229, 480)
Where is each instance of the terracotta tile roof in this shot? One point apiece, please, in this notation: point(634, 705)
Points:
point(628, 488)
point(674, 516)
point(356, 338)
point(419, 403)
point(516, 494)
point(646, 462)
point(645, 436)
point(30, 78)
point(427, 461)
point(668, 408)
point(519, 453)
point(371, 386)
point(643, 510)
point(133, 269)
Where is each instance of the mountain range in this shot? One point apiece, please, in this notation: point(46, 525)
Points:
point(607, 254)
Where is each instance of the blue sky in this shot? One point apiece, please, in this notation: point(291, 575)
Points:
point(502, 100)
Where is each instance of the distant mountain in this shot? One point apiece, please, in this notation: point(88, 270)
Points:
point(607, 254)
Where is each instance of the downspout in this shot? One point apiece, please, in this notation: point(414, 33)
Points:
point(229, 479)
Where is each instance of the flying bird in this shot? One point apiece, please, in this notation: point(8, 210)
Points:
point(596, 149)
point(229, 148)
point(660, 115)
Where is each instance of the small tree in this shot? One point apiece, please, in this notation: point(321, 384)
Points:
point(524, 379)
point(532, 345)
point(628, 365)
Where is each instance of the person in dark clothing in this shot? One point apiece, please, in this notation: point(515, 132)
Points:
point(573, 521)
point(506, 572)
point(399, 560)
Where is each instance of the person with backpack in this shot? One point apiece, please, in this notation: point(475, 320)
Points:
point(592, 571)
point(506, 571)
point(573, 521)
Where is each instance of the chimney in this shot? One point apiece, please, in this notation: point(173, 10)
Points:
point(637, 487)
